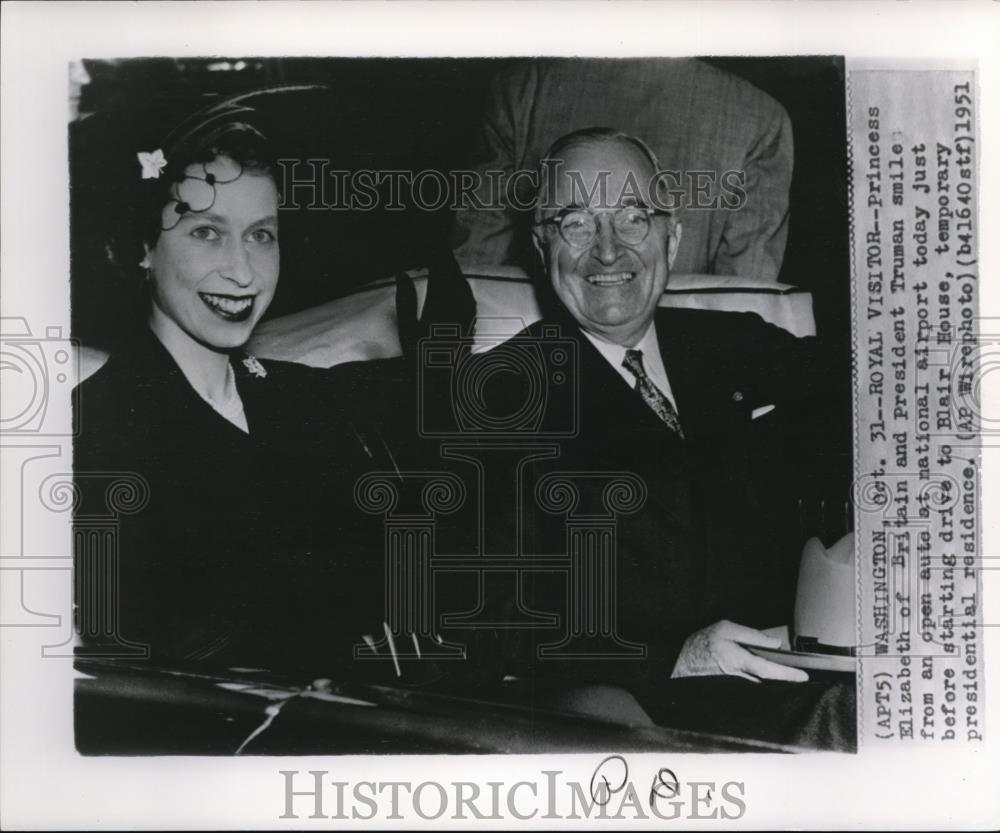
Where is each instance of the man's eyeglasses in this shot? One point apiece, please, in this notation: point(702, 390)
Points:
point(578, 226)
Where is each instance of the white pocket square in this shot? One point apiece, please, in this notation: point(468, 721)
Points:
point(756, 413)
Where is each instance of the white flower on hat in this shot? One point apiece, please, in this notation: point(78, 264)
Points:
point(152, 163)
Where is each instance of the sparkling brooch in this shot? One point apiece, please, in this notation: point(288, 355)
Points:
point(255, 367)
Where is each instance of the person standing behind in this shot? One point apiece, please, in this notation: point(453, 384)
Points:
point(729, 143)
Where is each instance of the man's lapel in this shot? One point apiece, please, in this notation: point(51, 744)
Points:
point(607, 400)
point(621, 432)
point(709, 401)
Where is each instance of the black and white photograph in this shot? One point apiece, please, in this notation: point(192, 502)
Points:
point(335, 495)
point(503, 432)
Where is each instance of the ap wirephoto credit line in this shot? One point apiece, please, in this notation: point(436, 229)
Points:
point(921, 349)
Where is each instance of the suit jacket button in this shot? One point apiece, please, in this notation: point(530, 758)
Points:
point(737, 396)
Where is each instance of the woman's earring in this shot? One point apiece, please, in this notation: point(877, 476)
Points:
point(145, 264)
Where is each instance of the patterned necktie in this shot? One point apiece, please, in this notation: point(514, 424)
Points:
point(651, 394)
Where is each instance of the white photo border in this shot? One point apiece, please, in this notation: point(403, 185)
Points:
point(46, 785)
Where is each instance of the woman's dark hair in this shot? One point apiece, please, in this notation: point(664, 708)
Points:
point(239, 141)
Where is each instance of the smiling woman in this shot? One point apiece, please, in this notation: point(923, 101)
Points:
point(246, 547)
point(213, 270)
point(228, 256)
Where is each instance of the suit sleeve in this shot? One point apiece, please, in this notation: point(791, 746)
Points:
point(753, 241)
point(485, 226)
point(811, 380)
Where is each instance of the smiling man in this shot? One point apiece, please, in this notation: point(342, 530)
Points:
point(706, 409)
point(607, 241)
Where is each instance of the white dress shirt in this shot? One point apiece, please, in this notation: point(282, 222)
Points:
point(652, 360)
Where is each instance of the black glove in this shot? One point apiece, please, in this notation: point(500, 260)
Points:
point(449, 301)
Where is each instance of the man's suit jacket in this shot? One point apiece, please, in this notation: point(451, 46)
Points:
point(718, 535)
point(696, 118)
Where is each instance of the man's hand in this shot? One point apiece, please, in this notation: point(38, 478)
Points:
point(717, 650)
